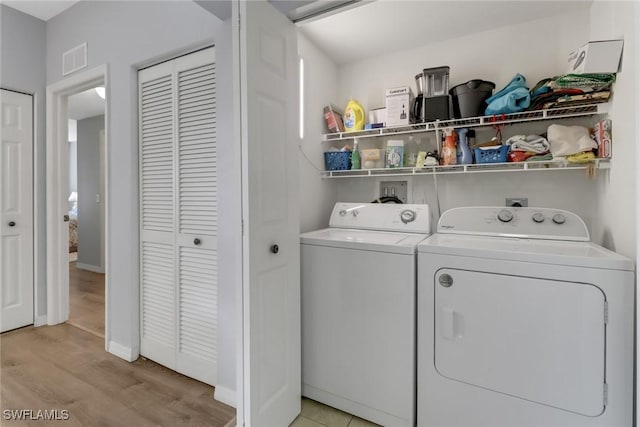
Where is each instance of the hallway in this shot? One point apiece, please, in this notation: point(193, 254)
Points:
point(86, 300)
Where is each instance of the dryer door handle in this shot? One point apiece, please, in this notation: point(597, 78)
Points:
point(448, 323)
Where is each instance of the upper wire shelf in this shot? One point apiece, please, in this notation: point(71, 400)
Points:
point(472, 122)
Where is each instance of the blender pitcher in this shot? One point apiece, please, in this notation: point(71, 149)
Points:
point(418, 102)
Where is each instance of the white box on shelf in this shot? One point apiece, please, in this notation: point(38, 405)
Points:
point(378, 115)
point(398, 106)
point(596, 57)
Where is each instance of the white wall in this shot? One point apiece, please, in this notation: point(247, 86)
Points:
point(23, 68)
point(617, 194)
point(90, 225)
point(126, 36)
point(317, 196)
point(537, 49)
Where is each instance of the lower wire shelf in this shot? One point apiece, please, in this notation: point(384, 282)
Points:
point(598, 163)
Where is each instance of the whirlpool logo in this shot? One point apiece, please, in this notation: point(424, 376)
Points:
point(447, 227)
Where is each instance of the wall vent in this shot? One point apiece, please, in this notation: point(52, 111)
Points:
point(74, 59)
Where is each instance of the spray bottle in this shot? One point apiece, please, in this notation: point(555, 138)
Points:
point(463, 154)
point(355, 155)
point(449, 148)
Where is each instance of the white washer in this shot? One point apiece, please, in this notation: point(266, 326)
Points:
point(359, 310)
point(522, 321)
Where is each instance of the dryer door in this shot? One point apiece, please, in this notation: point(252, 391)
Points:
point(535, 339)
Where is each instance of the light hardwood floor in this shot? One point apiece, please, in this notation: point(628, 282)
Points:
point(63, 367)
point(86, 300)
point(67, 367)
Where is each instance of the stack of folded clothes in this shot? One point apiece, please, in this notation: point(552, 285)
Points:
point(570, 90)
point(524, 147)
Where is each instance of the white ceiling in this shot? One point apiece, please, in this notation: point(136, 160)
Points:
point(378, 27)
point(85, 104)
point(44, 10)
point(385, 26)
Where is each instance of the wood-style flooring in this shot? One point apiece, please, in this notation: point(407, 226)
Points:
point(63, 367)
point(66, 367)
point(86, 300)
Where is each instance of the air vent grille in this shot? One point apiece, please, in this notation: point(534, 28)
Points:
point(74, 59)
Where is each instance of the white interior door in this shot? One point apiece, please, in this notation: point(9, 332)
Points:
point(196, 210)
point(157, 218)
point(16, 210)
point(179, 215)
point(271, 251)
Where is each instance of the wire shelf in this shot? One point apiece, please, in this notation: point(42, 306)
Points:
point(474, 122)
point(599, 163)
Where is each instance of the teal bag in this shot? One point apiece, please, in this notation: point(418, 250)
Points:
point(513, 98)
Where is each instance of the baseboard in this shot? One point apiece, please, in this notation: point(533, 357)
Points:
point(231, 423)
point(89, 267)
point(126, 353)
point(40, 321)
point(225, 395)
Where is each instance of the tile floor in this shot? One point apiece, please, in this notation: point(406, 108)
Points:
point(315, 414)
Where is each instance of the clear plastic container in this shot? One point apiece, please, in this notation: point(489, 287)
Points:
point(437, 81)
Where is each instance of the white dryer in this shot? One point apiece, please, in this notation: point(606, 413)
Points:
point(522, 321)
point(359, 310)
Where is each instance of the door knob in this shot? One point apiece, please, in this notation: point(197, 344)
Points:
point(196, 241)
point(275, 249)
point(12, 223)
point(65, 218)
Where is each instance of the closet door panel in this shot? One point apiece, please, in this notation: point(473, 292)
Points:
point(197, 155)
point(198, 313)
point(197, 215)
point(157, 215)
point(178, 191)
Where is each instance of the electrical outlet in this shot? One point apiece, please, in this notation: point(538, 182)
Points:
point(394, 188)
point(517, 202)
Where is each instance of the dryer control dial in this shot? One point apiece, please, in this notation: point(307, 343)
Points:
point(559, 219)
point(407, 216)
point(538, 217)
point(505, 215)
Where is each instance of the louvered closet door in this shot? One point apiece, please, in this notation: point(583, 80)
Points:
point(157, 206)
point(197, 217)
point(178, 189)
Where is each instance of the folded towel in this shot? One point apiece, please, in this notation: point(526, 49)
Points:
point(584, 157)
point(513, 98)
point(587, 81)
point(540, 158)
point(531, 143)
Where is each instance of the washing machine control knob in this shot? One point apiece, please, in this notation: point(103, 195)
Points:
point(538, 217)
point(505, 215)
point(559, 219)
point(407, 216)
point(343, 212)
point(355, 213)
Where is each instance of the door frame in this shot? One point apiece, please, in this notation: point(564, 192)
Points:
point(57, 260)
